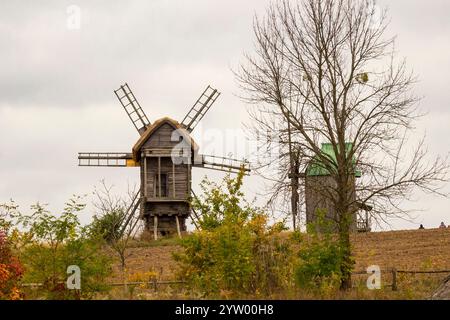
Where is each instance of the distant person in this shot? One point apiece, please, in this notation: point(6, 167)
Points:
point(442, 226)
point(421, 227)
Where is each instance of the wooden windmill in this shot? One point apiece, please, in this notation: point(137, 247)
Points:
point(165, 153)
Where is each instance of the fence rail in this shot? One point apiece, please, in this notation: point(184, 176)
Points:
point(118, 284)
point(413, 271)
point(155, 283)
point(394, 272)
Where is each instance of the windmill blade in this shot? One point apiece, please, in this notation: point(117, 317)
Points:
point(201, 106)
point(111, 159)
point(222, 164)
point(132, 108)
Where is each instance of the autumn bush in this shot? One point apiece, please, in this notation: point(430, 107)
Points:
point(55, 242)
point(235, 252)
point(11, 270)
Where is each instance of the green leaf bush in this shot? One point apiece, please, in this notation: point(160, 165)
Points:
point(320, 257)
point(235, 252)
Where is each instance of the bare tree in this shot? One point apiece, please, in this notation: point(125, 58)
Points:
point(326, 69)
point(110, 221)
point(277, 161)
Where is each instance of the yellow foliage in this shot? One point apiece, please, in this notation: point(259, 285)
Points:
point(15, 294)
point(142, 276)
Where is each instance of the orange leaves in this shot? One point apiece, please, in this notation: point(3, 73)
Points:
point(10, 271)
point(15, 294)
point(4, 274)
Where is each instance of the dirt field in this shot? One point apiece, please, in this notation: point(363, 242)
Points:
point(411, 250)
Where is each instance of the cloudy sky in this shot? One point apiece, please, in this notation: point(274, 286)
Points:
point(57, 82)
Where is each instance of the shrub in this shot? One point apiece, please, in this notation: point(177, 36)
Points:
point(108, 225)
point(57, 242)
point(320, 257)
point(235, 251)
point(10, 270)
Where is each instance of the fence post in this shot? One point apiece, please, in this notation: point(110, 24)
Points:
point(394, 279)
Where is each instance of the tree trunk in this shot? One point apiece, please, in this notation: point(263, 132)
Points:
point(347, 261)
point(294, 196)
point(123, 271)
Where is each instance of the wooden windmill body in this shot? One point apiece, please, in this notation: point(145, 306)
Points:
point(165, 153)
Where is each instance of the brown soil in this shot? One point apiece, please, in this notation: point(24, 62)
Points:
point(411, 250)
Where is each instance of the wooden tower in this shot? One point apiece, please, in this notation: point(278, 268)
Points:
point(165, 154)
point(319, 185)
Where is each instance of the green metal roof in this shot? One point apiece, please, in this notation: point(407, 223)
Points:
point(316, 168)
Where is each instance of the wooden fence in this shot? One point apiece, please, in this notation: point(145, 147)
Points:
point(156, 283)
point(153, 283)
point(394, 272)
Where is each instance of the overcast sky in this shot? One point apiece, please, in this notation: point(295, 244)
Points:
point(56, 85)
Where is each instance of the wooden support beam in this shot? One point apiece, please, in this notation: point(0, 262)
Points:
point(154, 183)
point(394, 279)
point(145, 176)
point(189, 180)
point(159, 177)
point(178, 226)
point(155, 227)
point(173, 180)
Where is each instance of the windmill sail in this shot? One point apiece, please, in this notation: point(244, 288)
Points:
point(111, 159)
point(132, 108)
point(222, 164)
point(201, 106)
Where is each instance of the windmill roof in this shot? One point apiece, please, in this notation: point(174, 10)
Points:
point(157, 124)
point(317, 168)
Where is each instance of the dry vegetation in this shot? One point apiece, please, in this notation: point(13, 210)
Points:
point(403, 250)
point(150, 256)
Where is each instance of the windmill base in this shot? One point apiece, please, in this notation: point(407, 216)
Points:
point(165, 226)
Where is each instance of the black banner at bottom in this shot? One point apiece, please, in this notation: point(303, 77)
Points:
point(215, 309)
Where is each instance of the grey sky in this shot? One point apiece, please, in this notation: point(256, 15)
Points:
point(56, 84)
